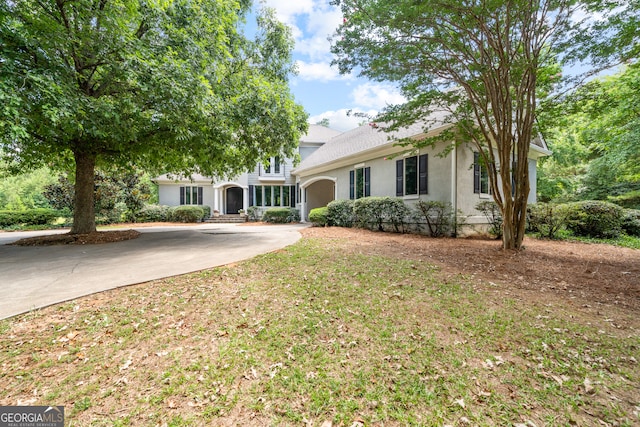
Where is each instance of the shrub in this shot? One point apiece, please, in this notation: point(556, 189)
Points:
point(281, 215)
point(340, 213)
point(207, 211)
point(253, 213)
point(547, 219)
point(40, 216)
point(631, 222)
point(491, 211)
point(186, 214)
point(318, 216)
point(374, 212)
point(593, 218)
point(439, 217)
point(154, 213)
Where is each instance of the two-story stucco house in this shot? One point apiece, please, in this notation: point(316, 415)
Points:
point(269, 185)
point(358, 163)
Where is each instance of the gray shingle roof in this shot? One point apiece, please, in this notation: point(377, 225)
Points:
point(360, 140)
point(318, 133)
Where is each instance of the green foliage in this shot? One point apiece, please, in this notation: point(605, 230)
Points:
point(491, 211)
point(154, 213)
point(117, 196)
point(594, 218)
point(253, 213)
point(40, 216)
point(319, 217)
point(439, 217)
point(165, 86)
point(374, 212)
point(631, 222)
point(186, 214)
point(595, 138)
point(340, 213)
point(24, 191)
point(281, 215)
point(547, 220)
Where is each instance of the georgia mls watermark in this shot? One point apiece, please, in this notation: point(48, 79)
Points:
point(31, 416)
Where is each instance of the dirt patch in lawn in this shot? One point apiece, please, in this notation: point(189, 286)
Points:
point(587, 274)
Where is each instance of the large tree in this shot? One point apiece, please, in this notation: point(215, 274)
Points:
point(483, 62)
point(170, 86)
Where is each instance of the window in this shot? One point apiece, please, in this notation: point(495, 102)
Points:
point(272, 195)
point(191, 195)
point(359, 183)
point(480, 175)
point(412, 176)
point(274, 166)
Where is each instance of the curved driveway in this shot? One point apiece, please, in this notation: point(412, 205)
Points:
point(35, 277)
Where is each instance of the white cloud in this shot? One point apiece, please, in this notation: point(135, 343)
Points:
point(376, 95)
point(343, 119)
point(318, 71)
point(287, 10)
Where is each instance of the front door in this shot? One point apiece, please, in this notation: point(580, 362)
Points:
point(234, 200)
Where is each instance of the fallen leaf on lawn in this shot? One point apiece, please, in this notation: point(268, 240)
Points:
point(327, 424)
point(460, 402)
point(126, 365)
point(588, 386)
point(172, 404)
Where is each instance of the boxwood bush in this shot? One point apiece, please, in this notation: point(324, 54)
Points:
point(281, 215)
point(40, 216)
point(594, 218)
point(340, 213)
point(319, 216)
point(186, 214)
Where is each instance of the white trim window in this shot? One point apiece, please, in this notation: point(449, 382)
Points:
point(412, 176)
point(191, 195)
point(480, 176)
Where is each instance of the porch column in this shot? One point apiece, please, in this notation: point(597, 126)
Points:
point(216, 199)
point(245, 199)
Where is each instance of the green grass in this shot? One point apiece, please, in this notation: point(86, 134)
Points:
point(317, 332)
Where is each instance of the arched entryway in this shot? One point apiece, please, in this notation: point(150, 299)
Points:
point(233, 199)
point(318, 193)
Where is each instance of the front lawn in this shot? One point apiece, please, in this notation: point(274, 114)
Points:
point(349, 328)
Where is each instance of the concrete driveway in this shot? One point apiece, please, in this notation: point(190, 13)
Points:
point(35, 277)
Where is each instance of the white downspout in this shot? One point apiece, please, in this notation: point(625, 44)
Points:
point(454, 185)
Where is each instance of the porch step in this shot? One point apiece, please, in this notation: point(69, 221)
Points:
point(226, 219)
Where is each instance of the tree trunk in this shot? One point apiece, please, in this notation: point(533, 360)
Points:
point(84, 218)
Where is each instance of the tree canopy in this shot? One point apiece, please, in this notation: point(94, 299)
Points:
point(170, 86)
point(595, 137)
point(484, 63)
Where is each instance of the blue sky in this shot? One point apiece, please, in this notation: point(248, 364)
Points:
point(322, 91)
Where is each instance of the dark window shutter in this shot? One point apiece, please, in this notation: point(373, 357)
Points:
point(251, 187)
point(399, 178)
point(352, 186)
point(200, 191)
point(476, 172)
point(182, 195)
point(367, 182)
point(292, 195)
point(423, 165)
point(298, 193)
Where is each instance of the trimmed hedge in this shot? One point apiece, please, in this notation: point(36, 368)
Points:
point(281, 215)
point(154, 213)
point(374, 212)
point(40, 216)
point(340, 213)
point(593, 218)
point(319, 216)
point(186, 214)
